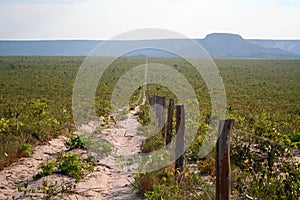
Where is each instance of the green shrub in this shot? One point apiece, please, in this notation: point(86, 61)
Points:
point(152, 143)
point(26, 149)
point(71, 165)
point(264, 169)
point(295, 139)
point(68, 164)
point(163, 184)
point(96, 144)
point(48, 191)
point(47, 169)
point(143, 114)
point(74, 142)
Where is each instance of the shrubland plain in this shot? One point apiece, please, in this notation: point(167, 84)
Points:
point(263, 96)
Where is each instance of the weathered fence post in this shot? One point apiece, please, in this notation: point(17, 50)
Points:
point(162, 115)
point(150, 100)
point(223, 178)
point(158, 104)
point(170, 122)
point(154, 101)
point(180, 128)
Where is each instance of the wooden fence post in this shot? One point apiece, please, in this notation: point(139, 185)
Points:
point(158, 104)
point(223, 177)
point(159, 112)
point(150, 100)
point(180, 128)
point(163, 116)
point(170, 122)
point(154, 101)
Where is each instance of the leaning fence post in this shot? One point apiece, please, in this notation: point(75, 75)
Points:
point(150, 100)
point(180, 126)
point(170, 122)
point(163, 116)
point(159, 111)
point(223, 178)
point(158, 104)
point(154, 106)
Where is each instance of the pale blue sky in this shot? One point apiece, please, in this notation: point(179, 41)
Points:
point(103, 19)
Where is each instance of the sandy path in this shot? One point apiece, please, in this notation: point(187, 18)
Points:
point(25, 168)
point(127, 144)
point(118, 178)
point(108, 181)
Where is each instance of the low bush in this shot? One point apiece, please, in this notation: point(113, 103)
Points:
point(74, 142)
point(26, 149)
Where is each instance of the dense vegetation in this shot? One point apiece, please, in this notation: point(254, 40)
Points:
point(36, 99)
point(263, 97)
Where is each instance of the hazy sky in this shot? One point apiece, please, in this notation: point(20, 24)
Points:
point(103, 19)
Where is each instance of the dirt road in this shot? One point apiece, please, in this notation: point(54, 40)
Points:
point(108, 181)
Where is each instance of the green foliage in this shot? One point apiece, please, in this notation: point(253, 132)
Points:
point(295, 139)
point(27, 149)
point(47, 169)
point(161, 191)
point(143, 114)
point(152, 143)
point(28, 192)
point(264, 169)
point(49, 191)
point(68, 164)
point(147, 181)
point(262, 97)
point(42, 121)
point(71, 165)
point(10, 125)
point(163, 184)
point(96, 144)
point(35, 101)
point(74, 142)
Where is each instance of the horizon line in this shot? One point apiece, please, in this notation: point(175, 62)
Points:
point(98, 39)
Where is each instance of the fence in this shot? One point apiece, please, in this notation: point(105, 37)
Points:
point(223, 178)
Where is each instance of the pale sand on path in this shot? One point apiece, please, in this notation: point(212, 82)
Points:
point(108, 181)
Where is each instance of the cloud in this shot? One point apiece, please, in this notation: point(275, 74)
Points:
point(99, 19)
point(43, 2)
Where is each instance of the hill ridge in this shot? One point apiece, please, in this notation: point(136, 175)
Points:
point(224, 45)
